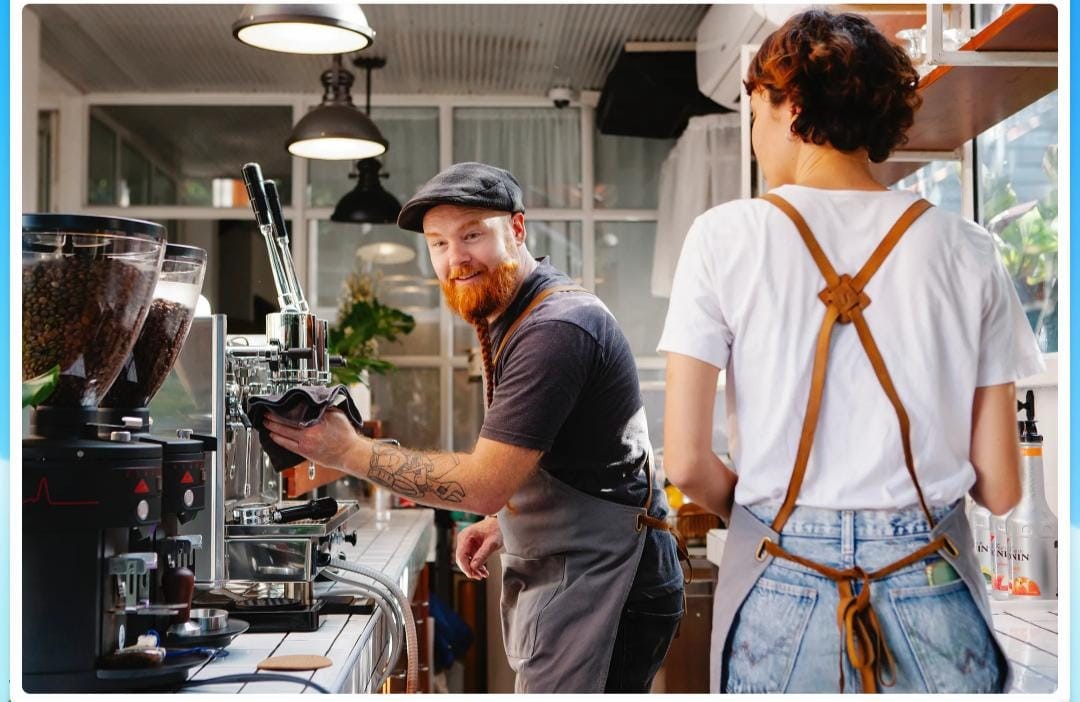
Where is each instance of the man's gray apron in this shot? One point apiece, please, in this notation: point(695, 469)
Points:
point(569, 561)
point(748, 549)
point(740, 570)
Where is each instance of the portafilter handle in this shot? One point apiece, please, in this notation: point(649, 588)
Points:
point(322, 508)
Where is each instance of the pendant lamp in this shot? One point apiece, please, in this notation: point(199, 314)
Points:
point(368, 202)
point(304, 29)
point(336, 130)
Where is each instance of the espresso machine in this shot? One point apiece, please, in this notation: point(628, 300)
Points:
point(260, 554)
point(89, 499)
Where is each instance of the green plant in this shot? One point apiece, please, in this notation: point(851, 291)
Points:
point(362, 321)
point(1026, 233)
point(37, 390)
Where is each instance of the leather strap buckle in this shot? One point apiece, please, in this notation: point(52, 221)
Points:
point(950, 547)
point(639, 523)
point(760, 553)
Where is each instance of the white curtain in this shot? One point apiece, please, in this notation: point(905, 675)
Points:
point(541, 147)
point(702, 171)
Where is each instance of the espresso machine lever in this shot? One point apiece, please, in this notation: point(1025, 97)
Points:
point(282, 240)
point(284, 278)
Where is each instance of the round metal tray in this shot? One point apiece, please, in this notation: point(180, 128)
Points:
point(211, 639)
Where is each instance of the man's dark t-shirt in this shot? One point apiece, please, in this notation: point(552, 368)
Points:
point(566, 384)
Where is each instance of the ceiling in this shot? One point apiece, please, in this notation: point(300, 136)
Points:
point(430, 49)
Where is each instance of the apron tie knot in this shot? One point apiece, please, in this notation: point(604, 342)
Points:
point(845, 297)
point(861, 630)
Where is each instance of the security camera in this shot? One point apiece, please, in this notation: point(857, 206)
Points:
point(562, 97)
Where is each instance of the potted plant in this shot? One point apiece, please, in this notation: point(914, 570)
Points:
point(361, 323)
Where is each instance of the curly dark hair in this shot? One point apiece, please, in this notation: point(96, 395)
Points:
point(851, 87)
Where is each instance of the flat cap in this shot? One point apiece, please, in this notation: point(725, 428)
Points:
point(468, 184)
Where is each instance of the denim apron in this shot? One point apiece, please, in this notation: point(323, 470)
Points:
point(751, 545)
point(569, 562)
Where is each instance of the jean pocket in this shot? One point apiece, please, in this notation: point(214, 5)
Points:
point(528, 586)
point(766, 636)
point(641, 647)
point(953, 648)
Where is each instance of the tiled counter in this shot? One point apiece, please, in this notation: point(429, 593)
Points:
point(1026, 629)
point(357, 644)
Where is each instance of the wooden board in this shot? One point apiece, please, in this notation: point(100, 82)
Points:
point(961, 102)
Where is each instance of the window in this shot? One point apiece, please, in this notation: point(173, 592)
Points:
point(540, 146)
point(628, 171)
point(938, 182)
point(1017, 201)
point(183, 154)
point(101, 172)
point(624, 255)
point(398, 267)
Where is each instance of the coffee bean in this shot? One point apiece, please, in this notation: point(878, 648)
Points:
point(82, 313)
point(155, 352)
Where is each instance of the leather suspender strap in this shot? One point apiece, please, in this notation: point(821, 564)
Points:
point(844, 299)
point(540, 297)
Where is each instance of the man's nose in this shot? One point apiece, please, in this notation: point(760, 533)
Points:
point(458, 254)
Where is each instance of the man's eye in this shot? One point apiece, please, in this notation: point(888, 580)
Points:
point(472, 235)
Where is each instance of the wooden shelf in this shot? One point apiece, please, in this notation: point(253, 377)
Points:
point(961, 102)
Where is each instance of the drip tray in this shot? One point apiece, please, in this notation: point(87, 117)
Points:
point(277, 614)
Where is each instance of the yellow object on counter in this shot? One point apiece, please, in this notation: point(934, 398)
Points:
point(675, 497)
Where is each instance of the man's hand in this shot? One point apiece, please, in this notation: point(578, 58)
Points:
point(328, 443)
point(474, 544)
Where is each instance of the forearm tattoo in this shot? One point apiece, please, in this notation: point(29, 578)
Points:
point(414, 474)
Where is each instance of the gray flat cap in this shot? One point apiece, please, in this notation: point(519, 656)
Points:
point(468, 184)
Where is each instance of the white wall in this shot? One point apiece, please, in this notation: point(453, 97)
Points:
point(31, 51)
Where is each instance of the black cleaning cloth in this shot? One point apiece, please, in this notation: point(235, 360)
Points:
point(301, 407)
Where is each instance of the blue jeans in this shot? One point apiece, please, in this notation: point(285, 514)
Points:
point(646, 629)
point(785, 637)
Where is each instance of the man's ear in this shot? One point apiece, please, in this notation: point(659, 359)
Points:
point(517, 226)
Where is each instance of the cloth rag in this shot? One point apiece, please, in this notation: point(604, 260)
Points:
point(300, 407)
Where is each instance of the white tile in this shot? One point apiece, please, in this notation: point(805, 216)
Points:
point(219, 670)
point(241, 658)
point(1025, 654)
point(262, 641)
point(226, 689)
point(313, 647)
point(1030, 633)
point(272, 687)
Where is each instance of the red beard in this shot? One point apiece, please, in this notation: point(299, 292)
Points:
point(478, 299)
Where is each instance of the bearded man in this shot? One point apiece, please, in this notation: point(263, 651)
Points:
point(592, 591)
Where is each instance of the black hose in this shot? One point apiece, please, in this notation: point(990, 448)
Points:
point(256, 677)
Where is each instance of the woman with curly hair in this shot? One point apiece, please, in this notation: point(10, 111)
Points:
point(871, 343)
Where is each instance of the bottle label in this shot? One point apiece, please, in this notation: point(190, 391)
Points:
point(1033, 567)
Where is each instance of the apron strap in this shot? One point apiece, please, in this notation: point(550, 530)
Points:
point(540, 297)
point(859, 627)
point(646, 520)
point(643, 520)
point(845, 300)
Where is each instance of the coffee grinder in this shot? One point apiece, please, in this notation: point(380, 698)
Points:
point(126, 409)
point(88, 284)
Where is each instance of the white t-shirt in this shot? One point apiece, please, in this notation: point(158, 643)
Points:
point(943, 312)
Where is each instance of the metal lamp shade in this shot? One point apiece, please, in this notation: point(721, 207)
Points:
point(336, 132)
point(304, 29)
point(368, 201)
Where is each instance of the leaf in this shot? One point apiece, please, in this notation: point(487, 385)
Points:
point(37, 390)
